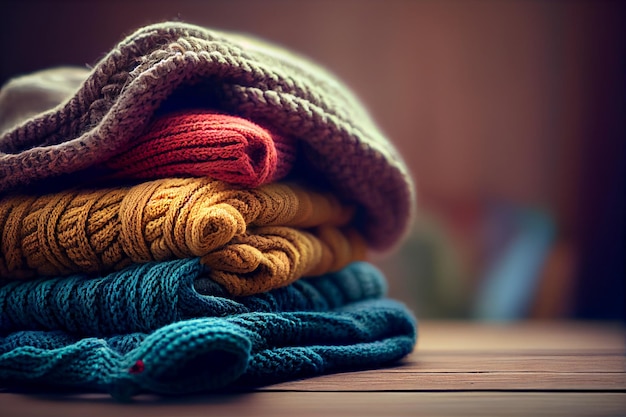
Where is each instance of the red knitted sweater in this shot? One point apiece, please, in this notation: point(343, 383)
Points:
point(205, 143)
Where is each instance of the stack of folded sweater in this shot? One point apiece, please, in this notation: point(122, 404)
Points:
point(194, 213)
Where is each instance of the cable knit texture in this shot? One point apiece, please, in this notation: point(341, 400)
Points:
point(233, 74)
point(106, 229)
point(204, 354)
point(272, 257)
point(142, 298)
point(202, 143)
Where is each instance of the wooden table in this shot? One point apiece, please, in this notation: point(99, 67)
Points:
point(459, 369)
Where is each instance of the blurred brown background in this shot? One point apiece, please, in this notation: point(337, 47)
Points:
point(510, 115)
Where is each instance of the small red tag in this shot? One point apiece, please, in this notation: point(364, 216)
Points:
point(137, 368)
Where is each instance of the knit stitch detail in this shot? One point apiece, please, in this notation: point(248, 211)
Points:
point(105, 229)
point(205, 143)
point(208, 353)
point(271, 257)
point(142, 298)
point(237, 75)
point(27, 95)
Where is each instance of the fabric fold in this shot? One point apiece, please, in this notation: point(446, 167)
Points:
point(230, 73)
point(205, 354)
point(203, 143)
point(103, 229)
point(27, 95)
point(143, 298)
point(272, 257)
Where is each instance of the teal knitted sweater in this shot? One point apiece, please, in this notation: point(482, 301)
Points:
point(164, 328)
point(204, 354)
point(142, 298)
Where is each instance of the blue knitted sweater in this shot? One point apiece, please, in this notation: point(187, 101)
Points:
point(157, 328)
point(203, 354)
point(142, 298)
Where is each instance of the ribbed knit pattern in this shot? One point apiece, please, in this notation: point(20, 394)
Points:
point(202, 143)
point(142, 298)
point(208, 353)
point(104, 229)
point(232, 74)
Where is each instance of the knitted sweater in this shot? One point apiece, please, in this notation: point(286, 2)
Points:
point(103, 229)
point(208, 353)
point(202, 143)
point(144, 297)
point(233, 74)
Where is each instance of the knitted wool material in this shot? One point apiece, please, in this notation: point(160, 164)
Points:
point(232, 74)
point(204, 354)
point(192, 142)
point(272, 257)
point(201, 143)
point(143, 298)
point(108, 228)
point(28, 95)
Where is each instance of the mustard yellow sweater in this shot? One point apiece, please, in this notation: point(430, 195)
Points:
point(278, 230)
